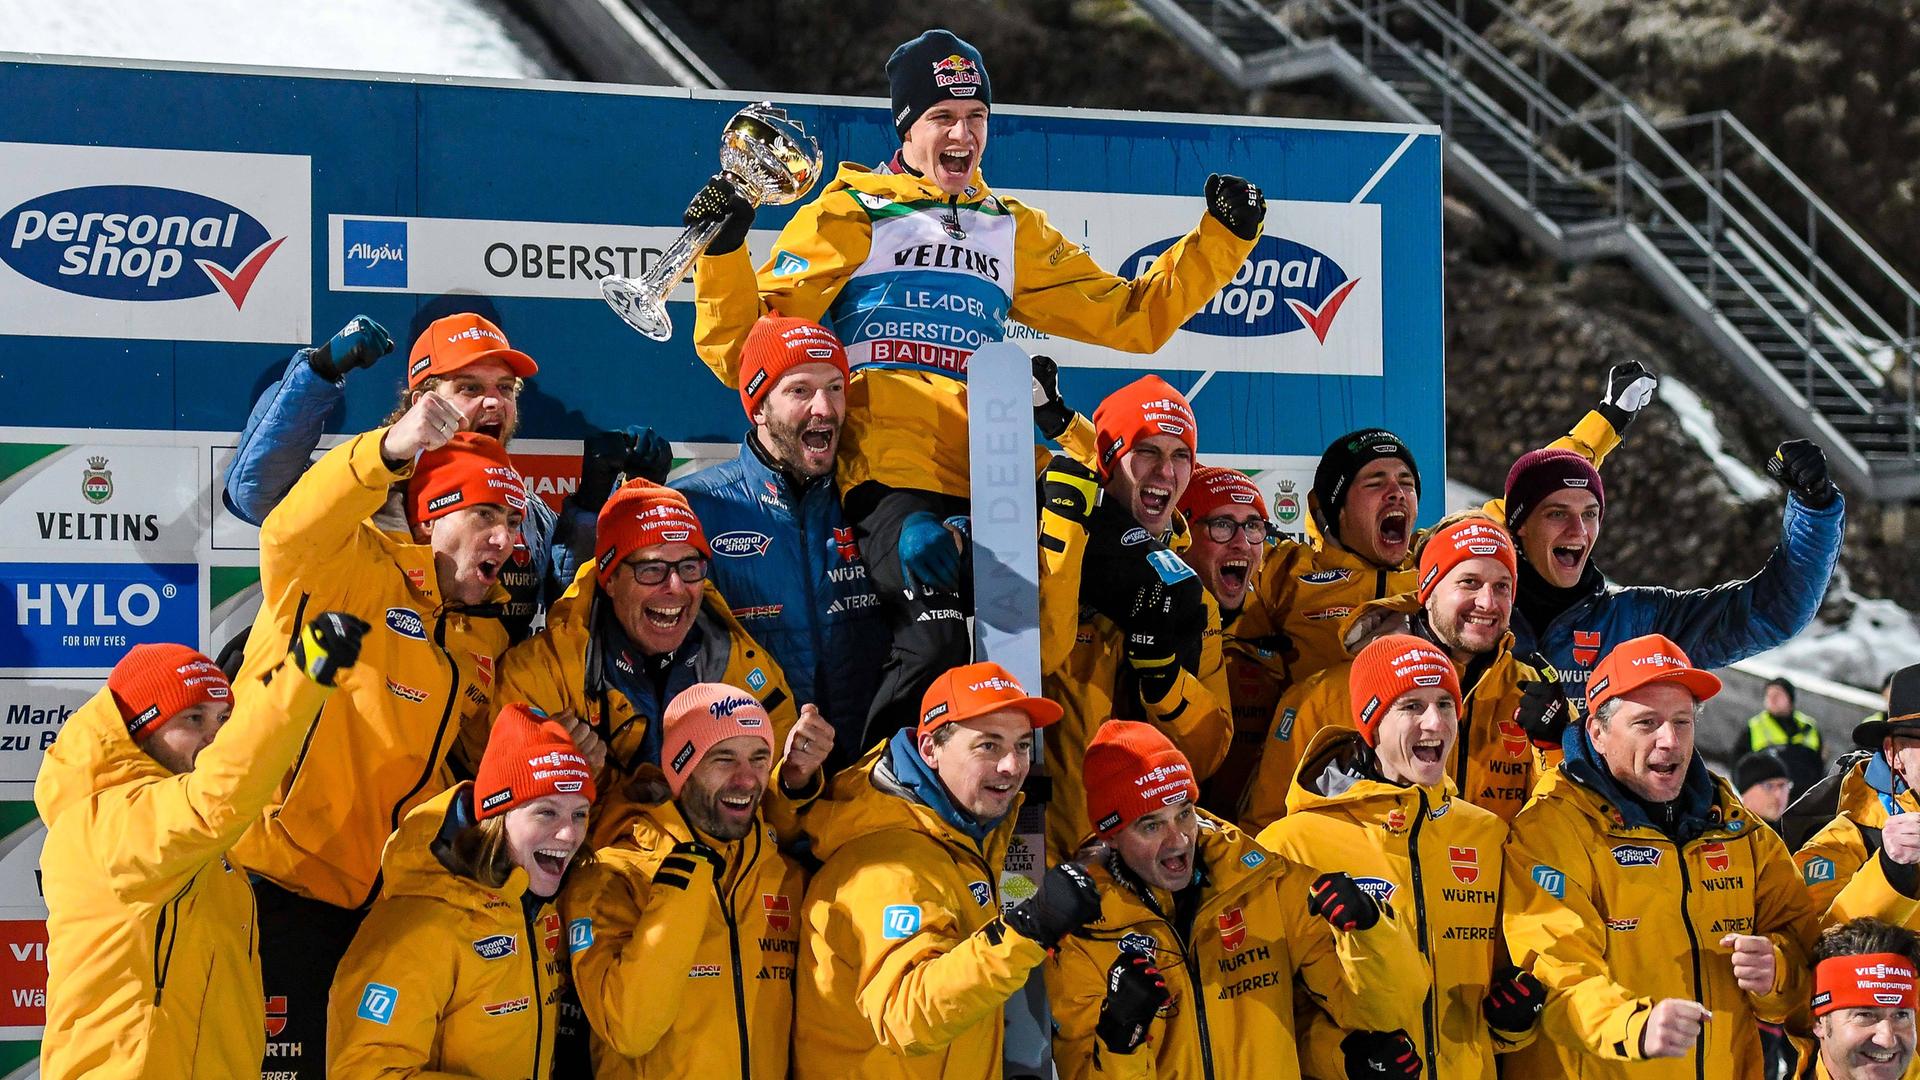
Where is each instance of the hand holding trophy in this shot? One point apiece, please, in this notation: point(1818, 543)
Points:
point(770, 160)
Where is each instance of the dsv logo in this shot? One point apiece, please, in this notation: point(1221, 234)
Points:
point(131, 242)
point(1283, 286)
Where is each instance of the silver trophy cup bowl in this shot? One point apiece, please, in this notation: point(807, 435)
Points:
point(770, 160)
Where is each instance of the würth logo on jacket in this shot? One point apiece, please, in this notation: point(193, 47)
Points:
point(1715, 853)
point(1233, 929)
point(1586, 647)
point(779, 911)
point(1465, 862)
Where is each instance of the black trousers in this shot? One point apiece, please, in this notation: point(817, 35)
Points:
point(301, 943)
point(929, 630)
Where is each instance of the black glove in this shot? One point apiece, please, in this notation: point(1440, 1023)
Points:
point(1630, 388)
point(1514, 1000)
point(1237, 204)
point(357, 345)
point(1340, 900)
point(1802, 467)
point(721, 202)
point(677, 869)
point(1068, 901)
point(1069, 490)
point(1050, 413)
point(1136, 992)
point(606, 456)
point(1121, 577)
point(1374, 1055)
point(328, 646)
point(1544, 710)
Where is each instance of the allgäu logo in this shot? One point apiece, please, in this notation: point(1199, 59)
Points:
point(138, 243)
point(1283, 286)
point(374, 253)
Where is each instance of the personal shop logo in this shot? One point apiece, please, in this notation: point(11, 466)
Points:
point(139, 243)
point(373, 254)
point(1284, 286)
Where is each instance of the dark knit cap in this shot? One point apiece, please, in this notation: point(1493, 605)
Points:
point(1540, 473)
point(1757, 768)
point(934, 67)
point(1333, 477)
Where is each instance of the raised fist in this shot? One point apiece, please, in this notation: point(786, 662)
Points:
point(721, 203)
point(1237, 204)
point(429, 424)
point(328, 646)
point(357, 345)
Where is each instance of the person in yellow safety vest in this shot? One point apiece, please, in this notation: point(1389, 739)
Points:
point(1863, 1002)
point(1360, 536)
point(1190, 969)
point(418, 708)
point(1376, 800)
point(906, 960)
point(683, 932)
point(1663, 919)
point(1463, 605)
point(638, 627)
point(1227, 531)
point(1866, 860)
point(458, 967)
point(913, 266)
point(151, 965)
point(1787, 732)
point(1127, 630)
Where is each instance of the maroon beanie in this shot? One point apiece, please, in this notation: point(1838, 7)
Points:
point(1540, 473)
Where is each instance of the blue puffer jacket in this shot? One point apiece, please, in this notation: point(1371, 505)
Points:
point(281, 435)
point(785, 560)
point(1716, 626)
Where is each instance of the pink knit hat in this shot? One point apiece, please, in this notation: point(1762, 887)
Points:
point(704, 715)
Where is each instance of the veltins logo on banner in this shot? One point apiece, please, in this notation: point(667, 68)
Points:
point(87, 615)
point(167, 244)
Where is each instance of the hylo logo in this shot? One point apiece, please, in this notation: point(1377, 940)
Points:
point(1283, 286)
point(131, 242)
point(136, 604)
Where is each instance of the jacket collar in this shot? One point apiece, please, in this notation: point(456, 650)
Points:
point(1695, 811)
point(913, 780)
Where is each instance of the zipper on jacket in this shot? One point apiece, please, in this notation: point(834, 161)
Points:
point(453, 698)
point(1463, 745)
point(1430, 1008)
point(1192, 958)
point(1379, 583)
point(1693, 947)
point(539, 999)
point(162, 963)
point(733, 950)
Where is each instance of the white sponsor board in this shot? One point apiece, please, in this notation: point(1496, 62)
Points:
point(19, 868)
point(1307, 301)
point(32, 712)
point(564, 260)
point(173, 245)
point(93, 498)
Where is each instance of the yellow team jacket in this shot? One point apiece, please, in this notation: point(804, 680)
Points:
point(1494, 764)
point(1088, 675)
point(551, 671)
point(1613, 918)
point(1232, 974)
point(905, 966)
point(446, 977)
point(1308, 589)
point(421, 688)
point(907, 425)
point(152, 964)
point(1845, 883)
point(689, 981)
point(1436, 859)
point(1255, 670)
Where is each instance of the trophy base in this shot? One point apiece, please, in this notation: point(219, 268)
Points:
point(637, 308)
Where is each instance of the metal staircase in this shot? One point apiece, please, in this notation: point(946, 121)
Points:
point(1816, 320)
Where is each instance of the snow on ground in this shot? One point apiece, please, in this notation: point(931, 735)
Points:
point(433, 37)
point(1879, 636)
point(1696, 419)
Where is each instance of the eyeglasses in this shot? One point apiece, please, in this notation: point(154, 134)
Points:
point(655, 571)
point(1221, 529)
